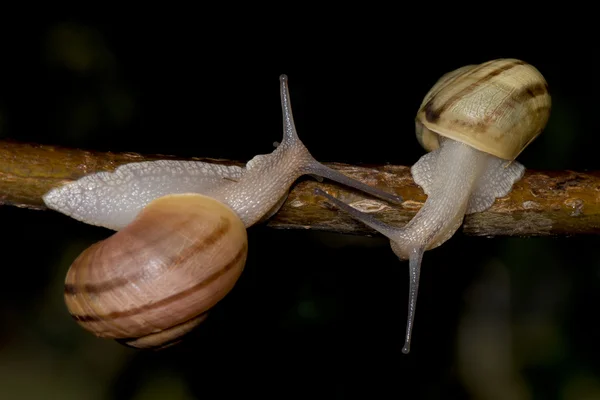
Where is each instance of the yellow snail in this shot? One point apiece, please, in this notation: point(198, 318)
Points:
point(181, 242)
point(474, 122)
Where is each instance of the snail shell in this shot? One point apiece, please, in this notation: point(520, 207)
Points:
point(497, 107)
point(153, 281)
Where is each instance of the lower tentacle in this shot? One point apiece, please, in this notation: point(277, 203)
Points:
point(414, 269)
point(415, 255)
point(314, 167)
point(365, 218)
point(457, 179)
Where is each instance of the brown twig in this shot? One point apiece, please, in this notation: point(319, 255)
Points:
point(542, 203)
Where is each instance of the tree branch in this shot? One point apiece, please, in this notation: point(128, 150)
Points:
point(542, 203)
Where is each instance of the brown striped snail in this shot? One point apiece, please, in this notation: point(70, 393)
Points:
point(181, 242)
point(474, 122)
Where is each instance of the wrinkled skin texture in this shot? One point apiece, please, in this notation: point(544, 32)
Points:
point(458, 180)
point(114, 199)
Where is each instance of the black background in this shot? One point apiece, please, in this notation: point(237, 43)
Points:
point(314, 315)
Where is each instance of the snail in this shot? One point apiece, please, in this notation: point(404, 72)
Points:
point(181, 241)
point(473, 122)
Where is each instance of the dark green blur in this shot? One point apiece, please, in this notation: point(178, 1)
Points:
point(314, 315)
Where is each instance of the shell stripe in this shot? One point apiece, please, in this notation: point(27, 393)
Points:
point(433, 114)
point(165, 338)
point(530, 92)
point(97, 288)
point(170, 299)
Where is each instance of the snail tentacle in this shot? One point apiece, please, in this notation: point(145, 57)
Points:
point(308, 165)
point(414, 269)
point(453, 174)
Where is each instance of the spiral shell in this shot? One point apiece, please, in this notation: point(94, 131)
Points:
point(152, 282)
point(498, 107)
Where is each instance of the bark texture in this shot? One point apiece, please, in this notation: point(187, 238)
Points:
point(542, 203)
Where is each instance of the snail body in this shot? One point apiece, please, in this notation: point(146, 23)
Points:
point(474, 122)
point(113, 199)
point(139, 286)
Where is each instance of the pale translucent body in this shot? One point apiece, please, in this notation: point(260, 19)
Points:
point(458, 180)
point(114, 199)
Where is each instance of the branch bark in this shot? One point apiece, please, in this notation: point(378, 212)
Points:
point(543, 203)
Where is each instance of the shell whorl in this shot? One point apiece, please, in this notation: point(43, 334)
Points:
point(153, 281)
point(498, 107)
